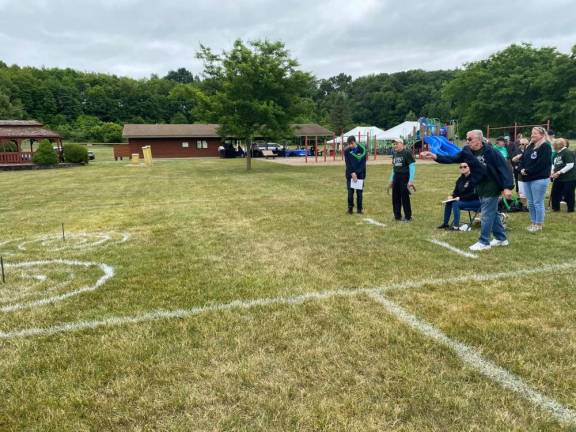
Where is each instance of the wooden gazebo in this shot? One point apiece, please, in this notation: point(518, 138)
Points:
point(14, 134)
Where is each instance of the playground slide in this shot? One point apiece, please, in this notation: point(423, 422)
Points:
point(441, 146)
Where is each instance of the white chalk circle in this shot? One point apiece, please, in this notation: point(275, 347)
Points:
point(37, 283)
point(72, 241)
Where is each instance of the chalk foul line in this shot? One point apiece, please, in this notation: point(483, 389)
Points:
point(475, 360)
point(465, 353)
point(248, 304)
point(454, 249)
point(374, 222)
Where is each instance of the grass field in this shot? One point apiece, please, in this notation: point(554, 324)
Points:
point(193, 295)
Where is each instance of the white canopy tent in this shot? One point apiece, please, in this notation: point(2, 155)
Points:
point(363, 131)
point(404, 130)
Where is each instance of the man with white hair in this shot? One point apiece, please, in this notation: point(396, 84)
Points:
point(492, 176)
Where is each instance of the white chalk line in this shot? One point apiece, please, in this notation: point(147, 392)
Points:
point(453, 249)
point(374, 222)
point(75, 240)
point(108, 272)
point(248, 304)
point(467, 354)
point(475, 360)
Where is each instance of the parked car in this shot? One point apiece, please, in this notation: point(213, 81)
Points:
point(271, 146)
point(299, 152)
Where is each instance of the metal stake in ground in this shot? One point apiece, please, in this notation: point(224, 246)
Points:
point(2, 265)
point(63, 236)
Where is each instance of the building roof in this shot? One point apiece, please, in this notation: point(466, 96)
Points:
point(170, 130)
point(20, 123)
point(203, 130)
point(310, 129)
point(25, 132)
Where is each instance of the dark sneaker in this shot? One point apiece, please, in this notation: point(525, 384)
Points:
point(407, 220)
point(443, 226)
point(350, 211)
point(359, 211)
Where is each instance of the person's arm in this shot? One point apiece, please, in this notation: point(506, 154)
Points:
point(567, 168)
point(412, 172)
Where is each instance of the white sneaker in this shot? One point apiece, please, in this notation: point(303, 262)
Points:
point(479, 246)
point(495, 243)
point(534, 228)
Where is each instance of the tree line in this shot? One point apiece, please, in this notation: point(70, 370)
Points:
point(520, 84)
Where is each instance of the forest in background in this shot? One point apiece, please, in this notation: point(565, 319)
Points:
point(518, 84)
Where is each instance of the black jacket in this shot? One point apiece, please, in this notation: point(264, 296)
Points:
point(537, 162)
point(465, 189)
point(353, 164)
point(496, 166)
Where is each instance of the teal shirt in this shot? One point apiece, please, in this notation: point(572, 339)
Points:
point(503, 151)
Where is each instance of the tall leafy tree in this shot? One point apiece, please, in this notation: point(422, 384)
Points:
point(253, 90)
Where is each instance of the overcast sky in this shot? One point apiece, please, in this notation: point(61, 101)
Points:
point(140, 37)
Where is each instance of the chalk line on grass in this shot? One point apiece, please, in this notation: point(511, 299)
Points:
point(475, 360)
point(453, 249)
point(374, 222)
point(108, 272)
point(74, 240)
point(248, 304)
point(464, 352)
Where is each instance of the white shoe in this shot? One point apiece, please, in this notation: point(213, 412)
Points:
point(534, 228)
point(495, 243)
point(479, 246)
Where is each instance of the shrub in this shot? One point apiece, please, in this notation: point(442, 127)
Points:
point(75, 153)
point(9, 147)
point(45, 155)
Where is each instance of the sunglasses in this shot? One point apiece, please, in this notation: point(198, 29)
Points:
point(469, 139)
point(463, 166)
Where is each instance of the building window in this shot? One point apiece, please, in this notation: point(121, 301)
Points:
point(185, 145)
point(201, 144)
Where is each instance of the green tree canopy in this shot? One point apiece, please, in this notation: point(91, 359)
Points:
point(252, 90)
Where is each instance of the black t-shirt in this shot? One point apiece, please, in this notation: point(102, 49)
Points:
point(560, 161)
point(401, 161)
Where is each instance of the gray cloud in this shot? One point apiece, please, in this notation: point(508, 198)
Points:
point(141, 37)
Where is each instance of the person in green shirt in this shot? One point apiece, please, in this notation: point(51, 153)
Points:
point(563, 176)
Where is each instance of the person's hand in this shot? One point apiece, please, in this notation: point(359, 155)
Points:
point(507, 193)
point(354, 177)
point(523, 172)
point(428, 155)
point(450, 197)
point(516, 158)
point(555, 175)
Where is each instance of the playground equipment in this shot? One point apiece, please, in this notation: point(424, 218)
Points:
point(515, 128)
point(378, 143)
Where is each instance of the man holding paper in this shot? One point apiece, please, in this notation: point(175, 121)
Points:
point(401, 180)
point(355, 158)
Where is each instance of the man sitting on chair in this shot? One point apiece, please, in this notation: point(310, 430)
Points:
point(464, 197)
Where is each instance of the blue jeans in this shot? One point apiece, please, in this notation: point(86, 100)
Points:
point(455, 207)
point(490, 222)
point(535, 192)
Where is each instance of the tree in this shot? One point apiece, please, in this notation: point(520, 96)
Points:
point(252, 90)
point(518, 84)
point(10, 109)
point(340, 114)
point(182, 76)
